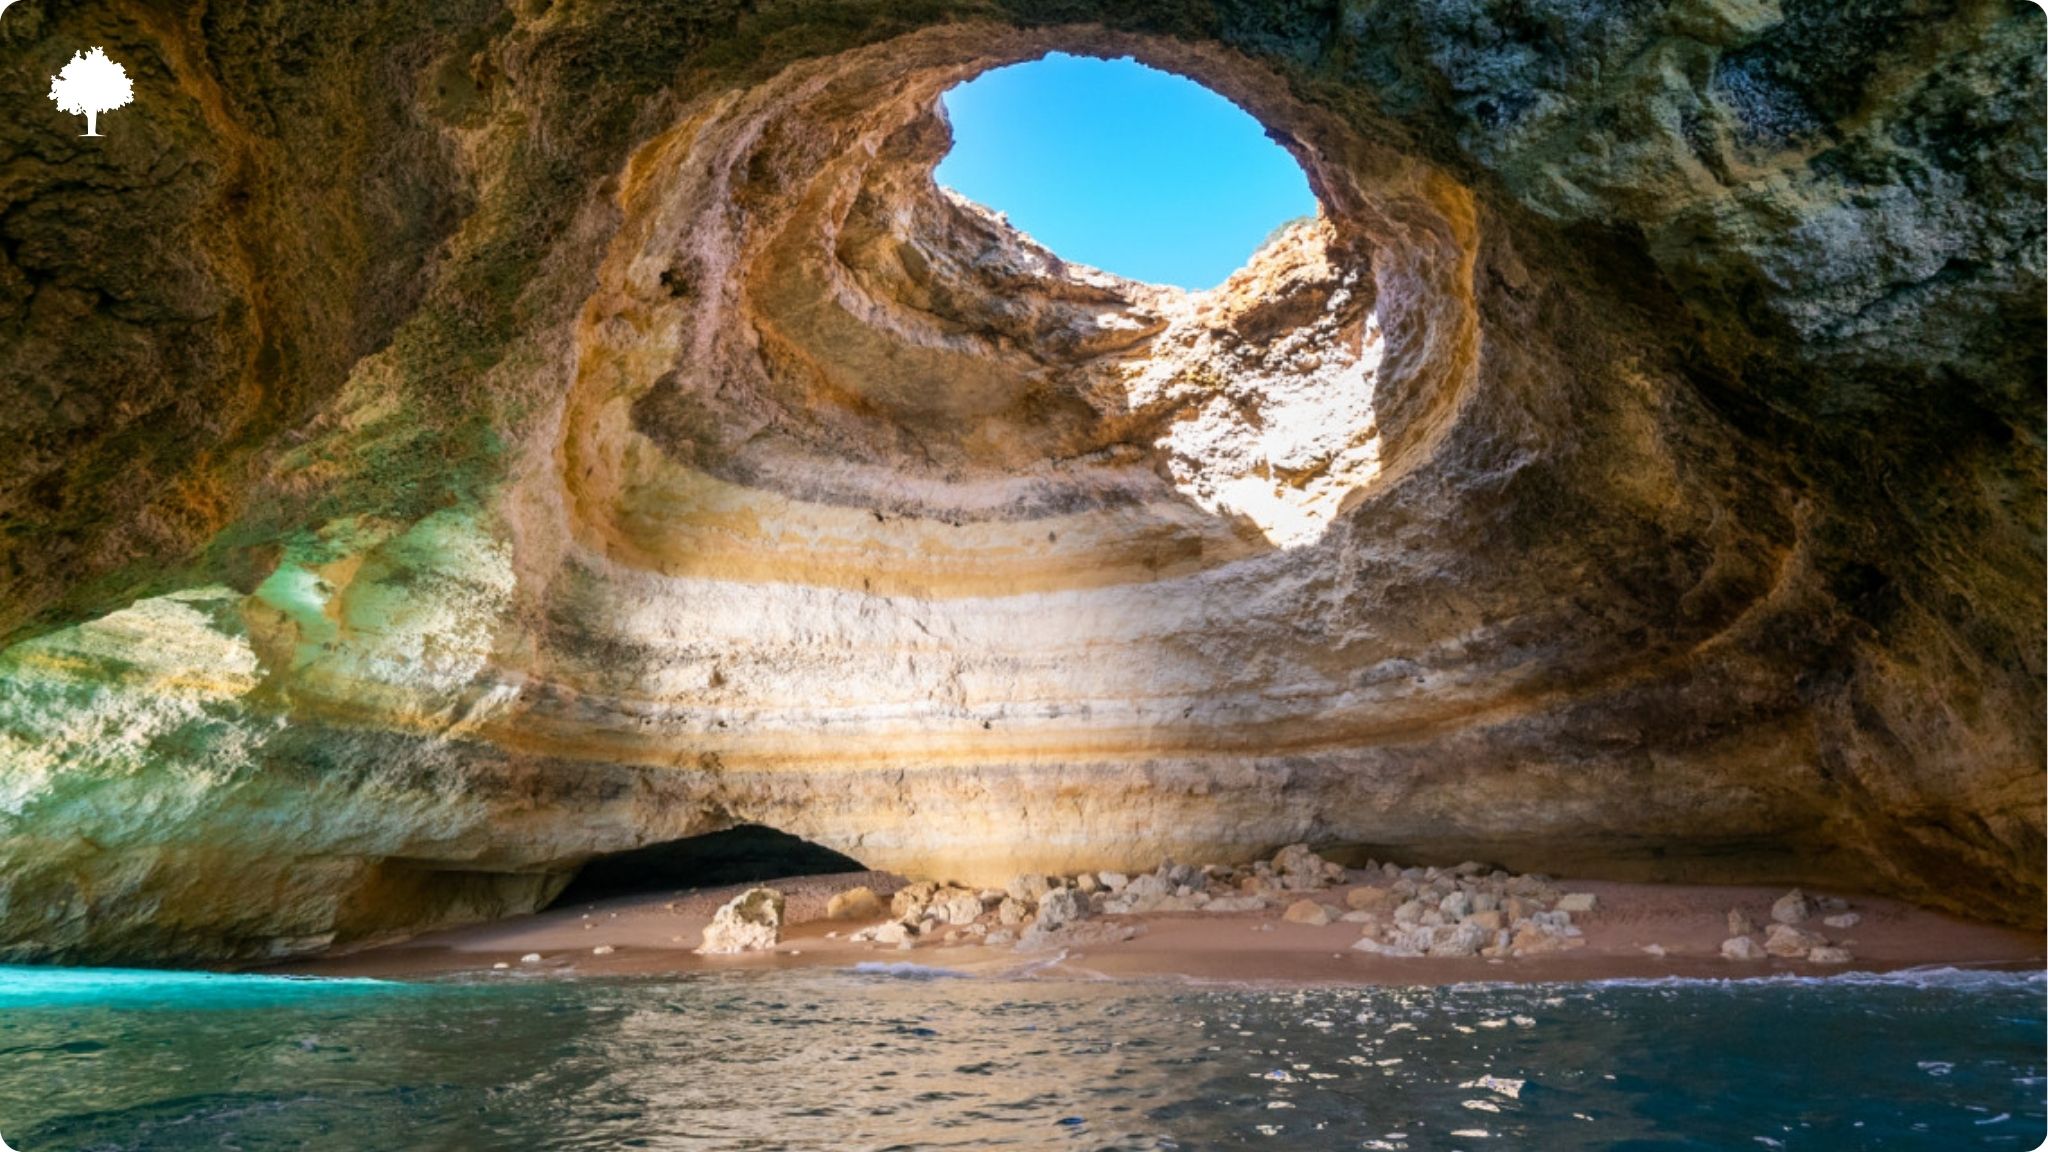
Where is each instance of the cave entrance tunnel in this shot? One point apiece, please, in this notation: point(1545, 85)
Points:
point(743, 854)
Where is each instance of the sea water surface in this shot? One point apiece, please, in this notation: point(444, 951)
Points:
point(900, 1057)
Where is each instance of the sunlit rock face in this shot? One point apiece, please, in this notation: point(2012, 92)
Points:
point(499, 436)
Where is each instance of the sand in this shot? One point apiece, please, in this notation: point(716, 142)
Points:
point(656, 934)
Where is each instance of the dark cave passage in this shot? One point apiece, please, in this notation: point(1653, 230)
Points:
point(739, 855)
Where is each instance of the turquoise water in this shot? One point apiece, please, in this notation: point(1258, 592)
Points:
point(898, 1058)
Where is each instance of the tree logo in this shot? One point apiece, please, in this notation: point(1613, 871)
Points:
point(89, 85)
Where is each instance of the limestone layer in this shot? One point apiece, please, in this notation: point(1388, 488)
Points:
point(451, 444)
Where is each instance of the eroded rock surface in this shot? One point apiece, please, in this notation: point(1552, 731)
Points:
point(452, 442)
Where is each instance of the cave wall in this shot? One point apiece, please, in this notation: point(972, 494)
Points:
point(455, 440)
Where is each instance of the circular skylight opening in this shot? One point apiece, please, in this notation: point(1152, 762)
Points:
point(1125, 168)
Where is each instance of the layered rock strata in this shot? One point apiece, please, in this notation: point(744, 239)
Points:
point(452, 444)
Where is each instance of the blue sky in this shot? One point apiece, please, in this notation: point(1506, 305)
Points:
point(1133, 170)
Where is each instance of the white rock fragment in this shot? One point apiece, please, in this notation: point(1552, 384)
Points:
point(1791, 908)
point(1741, 948)
point(748, 922)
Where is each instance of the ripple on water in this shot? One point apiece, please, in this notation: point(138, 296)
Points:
point(897, 1058)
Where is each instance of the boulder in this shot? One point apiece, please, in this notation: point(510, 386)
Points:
point(1741, 948)
point(1301, 867)
point(1843, 920)
point(1785, 940)
point(1739, 923)
point(1059, 908)
point(748, 922)
point(1490, 921)
point(854, 904)
point(1370, 899)
point(893, 932)
point(910, 900)
point(1409, 912)
point(1235, 904)
point(1455, 906)
point(1114, 881)
point(1829, 955)
point(1577, 902)
point(1458, 940)
point(956, 906)
point(1307, 912)
point(1791, 908)
point(1534, 941)
point(1029, 887)
point(1012, 912)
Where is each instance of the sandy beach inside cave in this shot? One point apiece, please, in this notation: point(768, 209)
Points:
point(655, 934)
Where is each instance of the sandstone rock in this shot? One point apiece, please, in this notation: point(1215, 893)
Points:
point(1791, 908)
point(1012, 912)
point(1370, 899)
point(1576, 902)
point(1785, 940)
point(1114, 881)
point(854, 904)
point(1409, 912)
point(601, 950)
point(1843, 920)
point(750, 921)
point(1087, 884)
point(910, 901)
point(530, 958)
point(1829, 955)
point(1741, 948)
point(1150, 887)
point(1534, 941)
point(889, 932)
point(957, 907)
point(1458, 940)
point(1302, 868)
point(1455, 905)
point(783, 439)
point(1057, 909)
point(1308, 912)
point(1491, 921)
point(1739, 923)
point(1028, 888)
